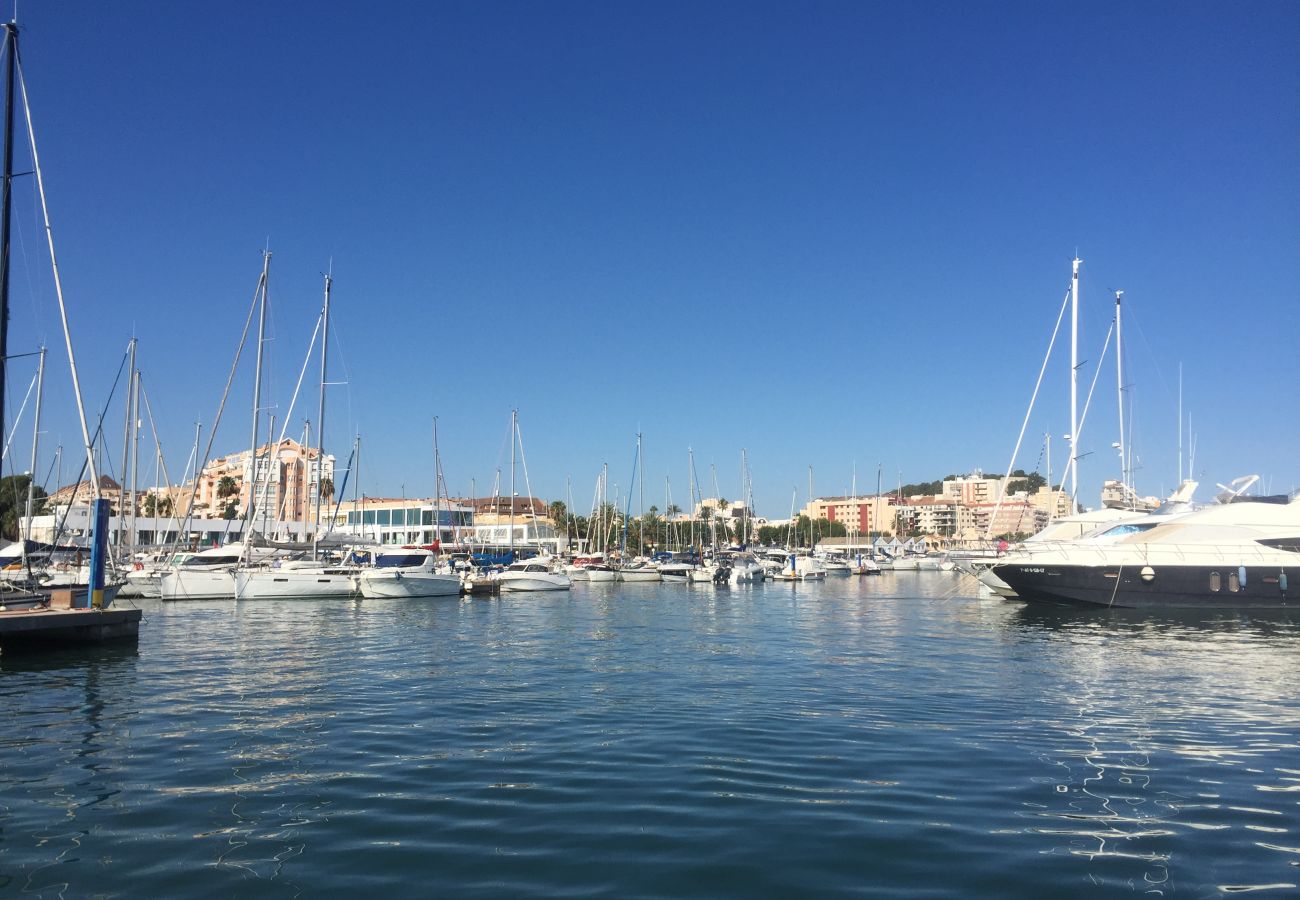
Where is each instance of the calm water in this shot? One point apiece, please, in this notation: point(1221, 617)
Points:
point(894, 737)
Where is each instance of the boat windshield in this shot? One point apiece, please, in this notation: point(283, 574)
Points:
point(199, 561)
point(1119, 531)
point(399, 560)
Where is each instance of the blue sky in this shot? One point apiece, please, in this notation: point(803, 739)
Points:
point(830, 233)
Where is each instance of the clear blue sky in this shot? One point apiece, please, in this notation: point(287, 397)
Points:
point(828, 233)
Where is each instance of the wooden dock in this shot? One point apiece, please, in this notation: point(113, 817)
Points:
point(60, 624)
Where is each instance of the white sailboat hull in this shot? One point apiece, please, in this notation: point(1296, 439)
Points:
point(197, 585)
point(272, 584)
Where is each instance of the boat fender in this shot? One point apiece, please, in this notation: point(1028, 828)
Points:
point(1148, 574)
point(1241, 575)
point(1281, 582)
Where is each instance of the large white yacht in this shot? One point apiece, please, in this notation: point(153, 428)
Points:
point(1239, 554)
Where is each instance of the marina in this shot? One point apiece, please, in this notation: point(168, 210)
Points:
point(257, 640)
point(899, 735)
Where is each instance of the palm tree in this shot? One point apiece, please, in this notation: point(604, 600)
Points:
point(557, 511)
point(226, 490)
point(671, 513)
point(157, 506)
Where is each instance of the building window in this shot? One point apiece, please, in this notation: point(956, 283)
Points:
point(383, 516)
point(399, 517)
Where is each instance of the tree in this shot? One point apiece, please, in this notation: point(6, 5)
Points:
point(326, 489)
point(227, 487)
point(228, 490)
point(156, 506)
point(558, 514)
point(13, 503)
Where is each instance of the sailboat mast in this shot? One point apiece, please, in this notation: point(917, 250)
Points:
point(690, 476)
point(6, 206)
point(126, 444)
point(437, 488)
point(514, 432)
point(257, 397)
point(1119, 390)
point(134, 532)
point(1180, 427)
point(320, 413)
point(1074, 381)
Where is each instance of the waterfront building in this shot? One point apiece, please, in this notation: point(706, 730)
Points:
point(81, 493)
point(1016, 515)
point(859, 515)
point(974, 488)
point(938, 515)
point(287, 476)
point(389, 520)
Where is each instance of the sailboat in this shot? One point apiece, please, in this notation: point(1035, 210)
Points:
point(538, 573)
point(309, 578)
point(15, 594)
point(413, 572)
point(210, 574)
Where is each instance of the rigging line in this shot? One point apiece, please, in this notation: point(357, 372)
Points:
point(162, 461)
point(284, 428)
point(9, 431)
point(1038, 384)
point(293, 402)
point(85, 463)
point(225, 394)
point(523, 461)
point(58, 282)
point(1088, 402)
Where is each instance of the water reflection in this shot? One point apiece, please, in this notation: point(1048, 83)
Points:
point(1146, 720)
point(63, 728)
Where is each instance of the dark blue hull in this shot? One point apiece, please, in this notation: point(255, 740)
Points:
point(1168, 587)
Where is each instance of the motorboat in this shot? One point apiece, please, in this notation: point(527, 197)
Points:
point(639, 571)
point(835, 565)
point(1238, 555)
point(677, 572)
point(407, 573)
point(745, 569)
point(533, 575)
point(601, 573)
point(802, 568)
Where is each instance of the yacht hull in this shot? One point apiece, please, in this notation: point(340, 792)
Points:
point(408, 585)
point(511, 581)
point(1168, 587)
